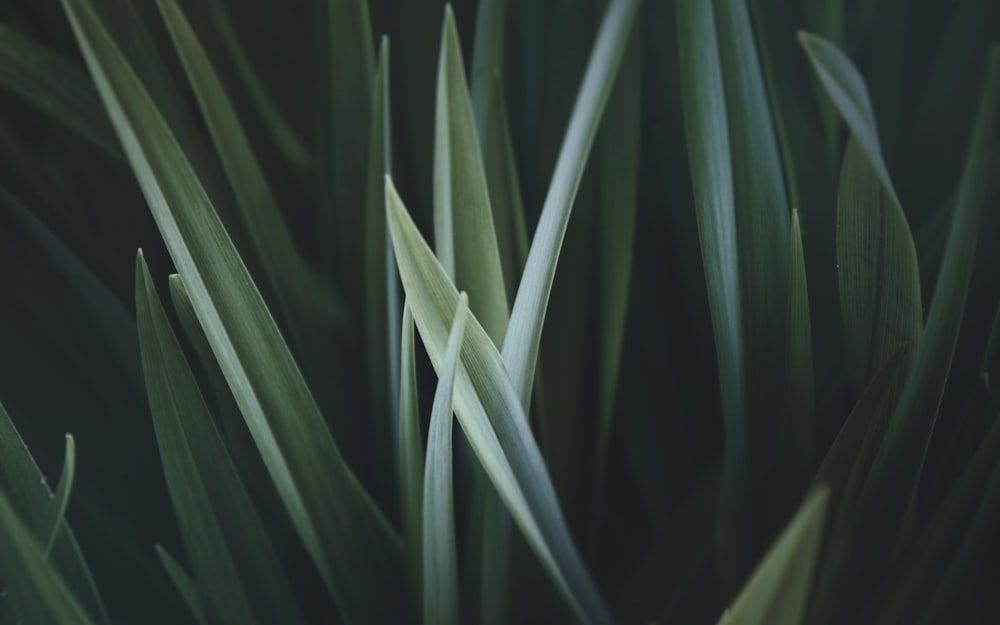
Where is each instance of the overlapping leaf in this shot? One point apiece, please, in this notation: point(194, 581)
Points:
point(353, 547)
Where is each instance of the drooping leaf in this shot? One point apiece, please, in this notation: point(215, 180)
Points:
point(778, 591)
point(353, 547)
point(877, 270)
point(230, 554)
point(27, 492)
point(185, 585)
point(899, 461)
point(56, 86)
point(439, 548)
point(411, 466)
point(492, 416)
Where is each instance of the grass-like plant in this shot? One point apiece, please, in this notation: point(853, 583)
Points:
point(508, 312)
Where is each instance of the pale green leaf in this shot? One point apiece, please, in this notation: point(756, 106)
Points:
point(492, 416)
point(778, 590)
point(352, 545)
point(185, 585)
point(51, 522)
point(439, 548)
point(225, 540)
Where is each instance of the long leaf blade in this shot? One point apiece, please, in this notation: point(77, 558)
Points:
point(352, 545)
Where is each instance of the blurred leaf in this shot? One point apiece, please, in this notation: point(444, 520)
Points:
point(464, 236)
point(798, 428)
point(352, 545)
point(411, 466)
point(618, 159)
point(900, 459)
point(439, 549)
point(28, 495)
point(877, 269)
point(492, 415)
point(38, 592)
point(226, 543)
point(185, 585)
point(779, 588)
point(56, 86)
point(285, 137)
point(707, 135)
point(352, 69)
point(487, 63)
point(381, 279)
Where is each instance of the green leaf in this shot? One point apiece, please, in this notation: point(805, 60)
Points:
point(354, 549)
point(464, 236)
point(618, 158)
point(281, 131)
point(56, 86)
point(411, 465)
point(26, 490)
point(305, 299)
point(708, 147)
point(798, 428)
point(381, 279)
point(846, 88)
point(185, 585)
point(487, 62)
point(899, 461)
point(492, 416)
point(877, 270)
point(225, 540)
point(51, 522)
point(524, 333)
point(439, 549)
point(779, 588)
point(352, 68)
point(38, 593)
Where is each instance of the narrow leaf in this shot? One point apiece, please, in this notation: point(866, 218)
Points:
point(353, 547)
point(411, 465)
point(225, 540)
point(51, 522)
point(440, 553)
point(779, 589)
point(185, 585)
point(492, 416)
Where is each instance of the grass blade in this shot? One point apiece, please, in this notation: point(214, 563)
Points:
point(285, 137)
point(38, 592)
point(899, 460)
point(877, 270)
point(185, 585)
point(439, 549)
point(225, 540)
point(464, 235)
point(352, 545)
point(492, 416)
point(798, 428)
point(51, 522)
point(524, 332)
point(56, 86)
point(779, 589)
point(25, 486)
point(708, 147)
point(411, 466)
point(304, 297)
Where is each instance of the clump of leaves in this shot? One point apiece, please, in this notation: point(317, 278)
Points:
point(757, 236)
